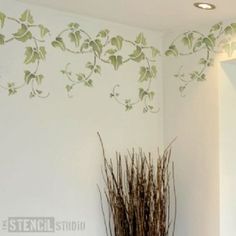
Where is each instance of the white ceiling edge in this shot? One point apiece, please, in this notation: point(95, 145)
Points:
point(162, 18)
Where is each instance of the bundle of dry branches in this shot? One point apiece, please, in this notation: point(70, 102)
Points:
point(138, 191)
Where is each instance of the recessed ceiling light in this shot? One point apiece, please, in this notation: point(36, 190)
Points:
point(204, 5)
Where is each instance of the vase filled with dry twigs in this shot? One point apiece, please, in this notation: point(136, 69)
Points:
point(140, 194)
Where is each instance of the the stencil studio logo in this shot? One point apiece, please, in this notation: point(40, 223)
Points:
point(40, 225)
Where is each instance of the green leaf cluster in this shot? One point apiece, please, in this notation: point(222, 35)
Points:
point(96, 45)
point(103, 33)
point(188, 40)
point(26, 17)
point(146, 73)
point(43, 31)
point(198, 76)
point(230, 29)
point(172, 51)
point(137, 55)
point(117, 42)
point(75, 37)
point(11, 89)
point(210, 41)
point(32, 76)
point(23, 34)
point(140, 39)
point(34, 54)
point(116, 61)
point(59, 43)
point(144, 93)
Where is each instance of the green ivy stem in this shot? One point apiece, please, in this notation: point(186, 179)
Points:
point(147, 108)
point(9, 40)
point(77, 52)
point(118, 100)
point(150, 79)
point(111, 55)
point(145, 100)
point(82, 31)
point(13, 19)
point(35, 91)
point(38, 61)
point(67, 73)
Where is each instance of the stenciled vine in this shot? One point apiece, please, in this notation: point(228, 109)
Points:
point(34, 52)
point(107, 49)
point(218, 39)
point(114, 50)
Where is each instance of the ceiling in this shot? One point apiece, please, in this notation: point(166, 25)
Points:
point(151, 14)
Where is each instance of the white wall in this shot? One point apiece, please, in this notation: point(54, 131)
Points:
point(227, 101)
point(194, 120)
point(50, 154)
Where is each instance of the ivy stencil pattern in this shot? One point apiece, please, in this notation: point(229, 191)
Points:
point(217, 40)
point(107, 49)
point(35, 52)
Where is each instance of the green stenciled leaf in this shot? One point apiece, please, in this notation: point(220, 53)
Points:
point(103, 33)
point(229, 48)
point(29, 76)
point(2, 39)
point(73, 26)
point(97, 69)
point(151, 96)
point(155, 52)
point(172, 51)
point(188, 40)
point(198, 44)
point(38, 79)
point(154, 71)
point(2, 19)
point(117, 42)
point(201, 77)
point(27, 17)
point(140, 39)
point(142, 93)
point(89, 65)
point(85, 45)
point(209, 41)
point(58, 43)
point(42, 53)
point(81, 77)
point(145, 73)
point(128, 105)
point(75, 37)
point(230, 29)
point(202, 61)
point(111, 51)
point(96, 46)
point(43, 31)
point(216, 27)
point(88, 83)
point(194, 75)
point(11, 89)
point(23, 34)
point(31, 55)
point(116, 61)
point(137, 54)
point(69, 88)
